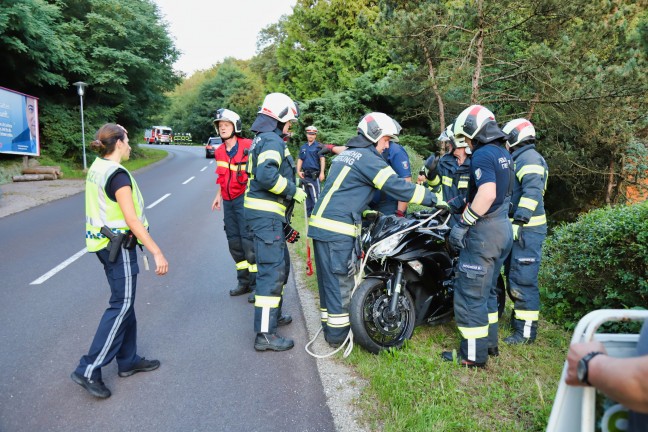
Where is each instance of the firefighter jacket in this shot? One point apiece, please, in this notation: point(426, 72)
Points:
point(101, 210)
point(531, 174)
point(354, 176)
point(451, 183)
point(232, 176)
point(272, 174)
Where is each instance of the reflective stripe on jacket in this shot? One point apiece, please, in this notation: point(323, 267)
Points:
point(272, 179)
point(354, 176)
point(232, 176)
point(101, 210)
point(531, 175)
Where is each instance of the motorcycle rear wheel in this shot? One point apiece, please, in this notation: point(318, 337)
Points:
point(371, 326)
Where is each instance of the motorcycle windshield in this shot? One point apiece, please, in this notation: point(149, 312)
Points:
point(388, 225)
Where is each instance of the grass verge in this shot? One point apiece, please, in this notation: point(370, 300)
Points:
point(412, 389)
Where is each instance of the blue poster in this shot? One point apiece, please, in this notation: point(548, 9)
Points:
point(18, 123)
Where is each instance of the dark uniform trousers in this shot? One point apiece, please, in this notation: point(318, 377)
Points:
point(239, 240)
point(273, 264)
point(312, 188)
point(117, 332)
point(488, 243)
point(522, 268)
point(335, 286)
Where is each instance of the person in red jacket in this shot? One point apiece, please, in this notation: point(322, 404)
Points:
point(231, 159)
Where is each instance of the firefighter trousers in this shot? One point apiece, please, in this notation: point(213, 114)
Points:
point(239, 240)
point(271, 261)
point(335, 286)
point(116, 336)
point(488, 242)
point(521, 270)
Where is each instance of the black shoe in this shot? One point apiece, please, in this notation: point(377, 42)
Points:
point(447, 356)
point(518, 339)
point(95, 387)
point(239, 290)
point(251, 298)
point(284, 320)
point(142, 366)
point(333, 344)
point(493, 352)
point(270, 341)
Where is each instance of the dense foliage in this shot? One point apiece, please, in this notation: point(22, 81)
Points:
point(120, 48)
point(598, 262)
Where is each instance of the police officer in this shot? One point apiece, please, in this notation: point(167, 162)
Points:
point(529, 229)
point(483, 235)
point(113, 200)
point(231, 158)
point(335, 223)
point(271, 191)
point(311, 167)
point(449, 174)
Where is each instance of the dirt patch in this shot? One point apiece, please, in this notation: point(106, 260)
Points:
point(19, 196)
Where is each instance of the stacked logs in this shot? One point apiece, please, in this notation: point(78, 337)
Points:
point(39, 173)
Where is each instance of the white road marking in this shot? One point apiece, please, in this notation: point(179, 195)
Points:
point(158, 201)
point(189, 179)
point(59, 267)
point(204, 168)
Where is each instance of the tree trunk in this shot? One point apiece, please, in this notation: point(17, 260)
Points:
point(479, 47)
point(611, 183)
point(435, 86)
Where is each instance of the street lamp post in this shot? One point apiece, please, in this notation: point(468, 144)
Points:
point(80, 85)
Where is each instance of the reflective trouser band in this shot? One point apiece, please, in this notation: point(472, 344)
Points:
point(338, 320)
point(492, 318)
point(264, 205)
point(335, 226)
point(527, 315)
point(323, 315)
point(474, 332)
point(528, 203)
point(252, 268)
point(242, 265)
point(267, 301)
point(536, 221)
point(447, 181)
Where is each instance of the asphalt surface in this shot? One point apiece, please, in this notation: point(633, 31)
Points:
point(211, 379)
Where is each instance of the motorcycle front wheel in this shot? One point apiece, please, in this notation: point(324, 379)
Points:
point(371, 324)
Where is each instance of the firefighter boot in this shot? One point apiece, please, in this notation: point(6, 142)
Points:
point(251, 298)
point(524, 332)
point(239, 290)
point(284, 319)
point(273, 342)
point(449, 356)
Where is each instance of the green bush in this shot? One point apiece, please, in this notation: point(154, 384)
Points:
point(598, 262)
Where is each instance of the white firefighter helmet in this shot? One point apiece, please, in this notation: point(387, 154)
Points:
point(518, 131)
point(376, 125)
point(224, 114)
point(470, 122)
point(280, 107)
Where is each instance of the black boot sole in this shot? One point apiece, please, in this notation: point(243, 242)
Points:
point(265, 347)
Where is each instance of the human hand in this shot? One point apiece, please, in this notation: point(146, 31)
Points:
point(301, 174)
point(321, 177)
point(161, 264)
point(217, 202)
point(421, 179)
point(300, 195)
point(325, 149)
point(457, 234)
point(576, 353)
point(291, 235)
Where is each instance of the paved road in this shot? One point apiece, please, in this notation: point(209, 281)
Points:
point(211, 379)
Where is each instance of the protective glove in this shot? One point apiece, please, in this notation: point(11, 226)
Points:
point(325, 149)
point(430, 167)
point(300, 195)
point(456, 204)
point(442, 205)
point(399, 213)
point(517, 232)
point(370, 215)
point(290, 234)
point(457, 235)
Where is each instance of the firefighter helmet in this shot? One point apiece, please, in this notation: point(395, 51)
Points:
point(519, 131)
point(376, 125)
point(224, 114)
point(477, 123)
point(280, 107)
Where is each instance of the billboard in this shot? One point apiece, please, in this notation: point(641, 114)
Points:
point(18, 123)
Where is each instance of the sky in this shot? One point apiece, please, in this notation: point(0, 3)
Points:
point(208, 31)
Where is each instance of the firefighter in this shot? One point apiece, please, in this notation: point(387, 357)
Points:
point(231, 158)
point(529, 230)
point(335, 223)
point(310, 168)
point(483, 235)
point(271, 192)
point(449, 174)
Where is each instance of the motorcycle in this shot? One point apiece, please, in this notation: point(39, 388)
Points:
point(408, 270)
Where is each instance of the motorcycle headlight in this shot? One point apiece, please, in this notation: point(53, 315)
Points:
point(384, 247)
point(416, 266)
